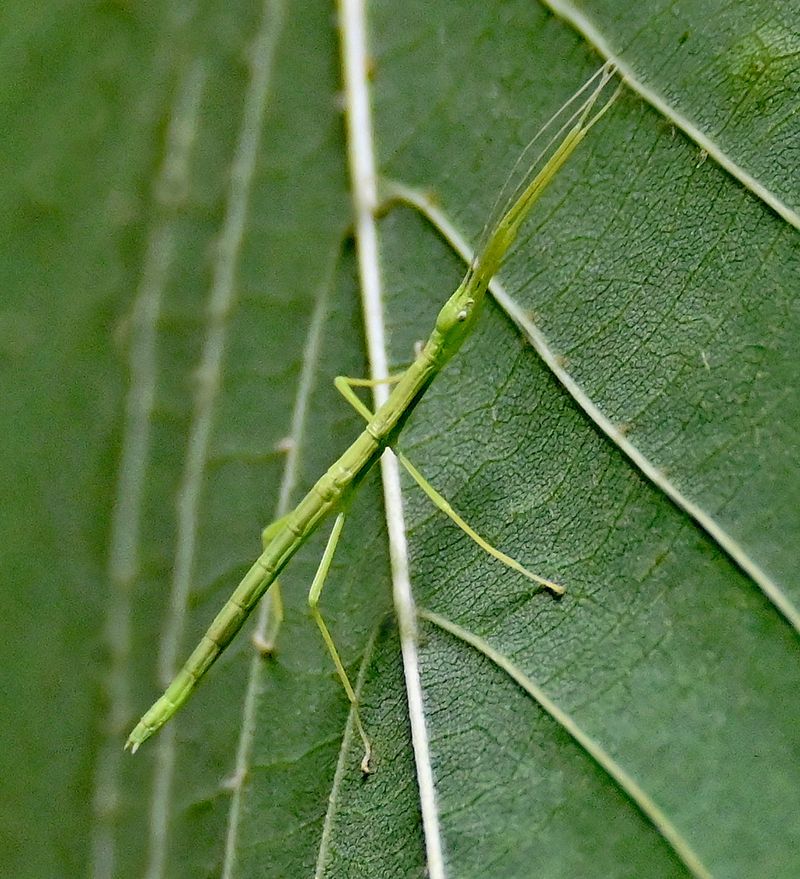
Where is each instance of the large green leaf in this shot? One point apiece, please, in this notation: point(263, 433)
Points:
point(180, 287)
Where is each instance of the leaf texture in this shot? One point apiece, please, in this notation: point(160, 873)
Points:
point(182, 284)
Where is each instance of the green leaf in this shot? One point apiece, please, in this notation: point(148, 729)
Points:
point(180, 287)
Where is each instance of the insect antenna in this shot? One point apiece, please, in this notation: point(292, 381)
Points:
point(554, 130)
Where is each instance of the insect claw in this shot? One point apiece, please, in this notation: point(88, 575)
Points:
point(366, 769)
point(265, 646)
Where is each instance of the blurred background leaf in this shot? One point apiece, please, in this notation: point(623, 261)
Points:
point(179, 289)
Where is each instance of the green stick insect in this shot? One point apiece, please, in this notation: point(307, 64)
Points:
point(335, 489)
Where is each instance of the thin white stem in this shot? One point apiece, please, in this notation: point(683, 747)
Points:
point(363, 178)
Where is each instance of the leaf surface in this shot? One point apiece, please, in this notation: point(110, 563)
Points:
point(182, 287)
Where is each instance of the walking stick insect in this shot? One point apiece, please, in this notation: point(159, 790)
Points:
point(332, 493)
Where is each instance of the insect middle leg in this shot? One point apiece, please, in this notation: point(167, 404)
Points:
point(313, 602)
